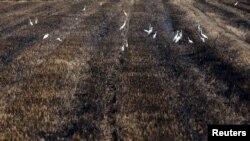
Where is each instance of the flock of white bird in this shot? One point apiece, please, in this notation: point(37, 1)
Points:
point(178, 36)
point(46, 35)
point(126, 45)
point(122, 27)
point(150, 30)
point(35, 22)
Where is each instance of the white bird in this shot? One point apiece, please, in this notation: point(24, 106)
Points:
point(124, 24)
point(190, 41)
point(203, 35)
point(125, 13)
point(235, 4)
point(31, 23)
point(150, 30)
point(199, 28)
point(126, 43)
point(46, 36)
point(154, 36)
point(178, 37)
point(203, 39)
point(101, 3)
point(123, 48)
point(36, 21)
point(59, 39)
point(84, 9)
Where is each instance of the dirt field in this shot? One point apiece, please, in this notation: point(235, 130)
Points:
point(79, 83)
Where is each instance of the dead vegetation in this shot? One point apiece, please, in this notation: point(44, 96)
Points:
point(86, 88)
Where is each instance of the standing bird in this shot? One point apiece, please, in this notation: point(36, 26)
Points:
point(150, 30)
point(203, 39)
point(236, 3)
point(59, 39)
point(84, 8)
point(178, 36)
point(123, 48)
point(124, 24)
point(126, 43)
point(190, 41)
point(199, 28)
point(36, 21)
point(46, 36)
point(203, 35)
point(125, 13)
point(31, 23)
point(154, 36)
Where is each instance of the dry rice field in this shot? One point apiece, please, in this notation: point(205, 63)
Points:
point(99, 76)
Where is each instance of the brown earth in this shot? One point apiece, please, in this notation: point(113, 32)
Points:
point(86, 88)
